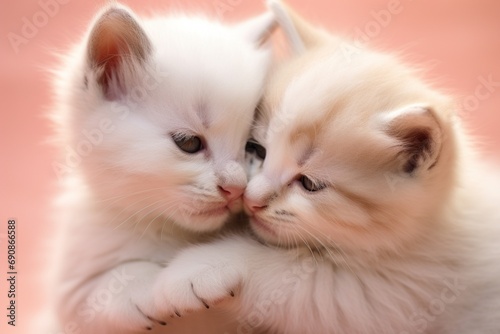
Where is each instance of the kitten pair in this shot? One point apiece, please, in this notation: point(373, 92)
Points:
point(370, 210)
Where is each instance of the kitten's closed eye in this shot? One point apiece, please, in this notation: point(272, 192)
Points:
point(188, 144)
point(255, 148)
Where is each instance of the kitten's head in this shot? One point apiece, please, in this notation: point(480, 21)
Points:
point(157, 113)
point(359, 151)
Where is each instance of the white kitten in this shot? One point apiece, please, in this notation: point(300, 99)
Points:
point(378, 215)
point(153, 118)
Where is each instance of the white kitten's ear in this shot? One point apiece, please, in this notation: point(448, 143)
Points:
point(420, 136)
point(300, 34)
point(117, 46)
point(258, 29)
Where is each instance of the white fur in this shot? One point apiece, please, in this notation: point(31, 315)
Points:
point(133, 199)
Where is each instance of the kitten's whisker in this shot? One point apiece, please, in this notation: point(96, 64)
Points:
point(295, 242)
point(137, 212)
point(129, 194)
point(125, 208)
point(119, 214)
point(328, 249)
point(154, 219)
point(321, 244)
point(306, 243)
point(147, 214)
point(205, 194)
point(167, 219)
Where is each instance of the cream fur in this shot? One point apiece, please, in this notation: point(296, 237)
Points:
point(403, 238)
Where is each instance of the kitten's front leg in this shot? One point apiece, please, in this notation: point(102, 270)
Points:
point(122, 298)
point(140, 296)
point(153, 295)
point(204, 276)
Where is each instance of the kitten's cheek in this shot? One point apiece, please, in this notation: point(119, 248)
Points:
point(262, 229)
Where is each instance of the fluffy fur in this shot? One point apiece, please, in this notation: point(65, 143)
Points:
point(376, 212)
point(152, 118)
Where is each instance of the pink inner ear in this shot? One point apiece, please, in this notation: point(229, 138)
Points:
point(107, 54)
point(116, 38)
point(419, 133)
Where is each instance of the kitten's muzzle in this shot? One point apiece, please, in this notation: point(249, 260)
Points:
point(253, 206)
point(231, 193)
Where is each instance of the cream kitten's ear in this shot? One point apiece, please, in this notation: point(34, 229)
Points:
point(259, 29)
point(117, 46)
point(420, 136)
point(300, 34)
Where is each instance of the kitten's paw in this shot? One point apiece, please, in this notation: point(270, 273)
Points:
point(185, 288)
point(137, 313)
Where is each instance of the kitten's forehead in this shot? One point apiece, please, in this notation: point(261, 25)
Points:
point(212, 77)
point(299, 104)
point(324, 102)
point(207, 58)
point(324, 86)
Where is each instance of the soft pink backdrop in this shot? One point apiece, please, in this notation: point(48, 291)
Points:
point(458, 40)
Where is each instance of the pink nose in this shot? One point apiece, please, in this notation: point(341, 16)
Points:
point(231, 192)
point(254, 205)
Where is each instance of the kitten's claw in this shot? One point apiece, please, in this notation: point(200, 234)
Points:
point(201, 299)
point(175, 314)
point(150, 318)
point(160, 322)
point(149, 321)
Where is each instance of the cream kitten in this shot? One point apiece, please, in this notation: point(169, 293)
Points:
point(377, 213)
point(153, 118)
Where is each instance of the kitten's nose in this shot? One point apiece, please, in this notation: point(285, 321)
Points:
point(231, 192)
point(253, 205)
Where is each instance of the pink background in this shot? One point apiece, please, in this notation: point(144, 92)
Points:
point(459, 41)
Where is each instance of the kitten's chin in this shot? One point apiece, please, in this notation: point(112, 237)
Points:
point(264, 232)
point(206, 221)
